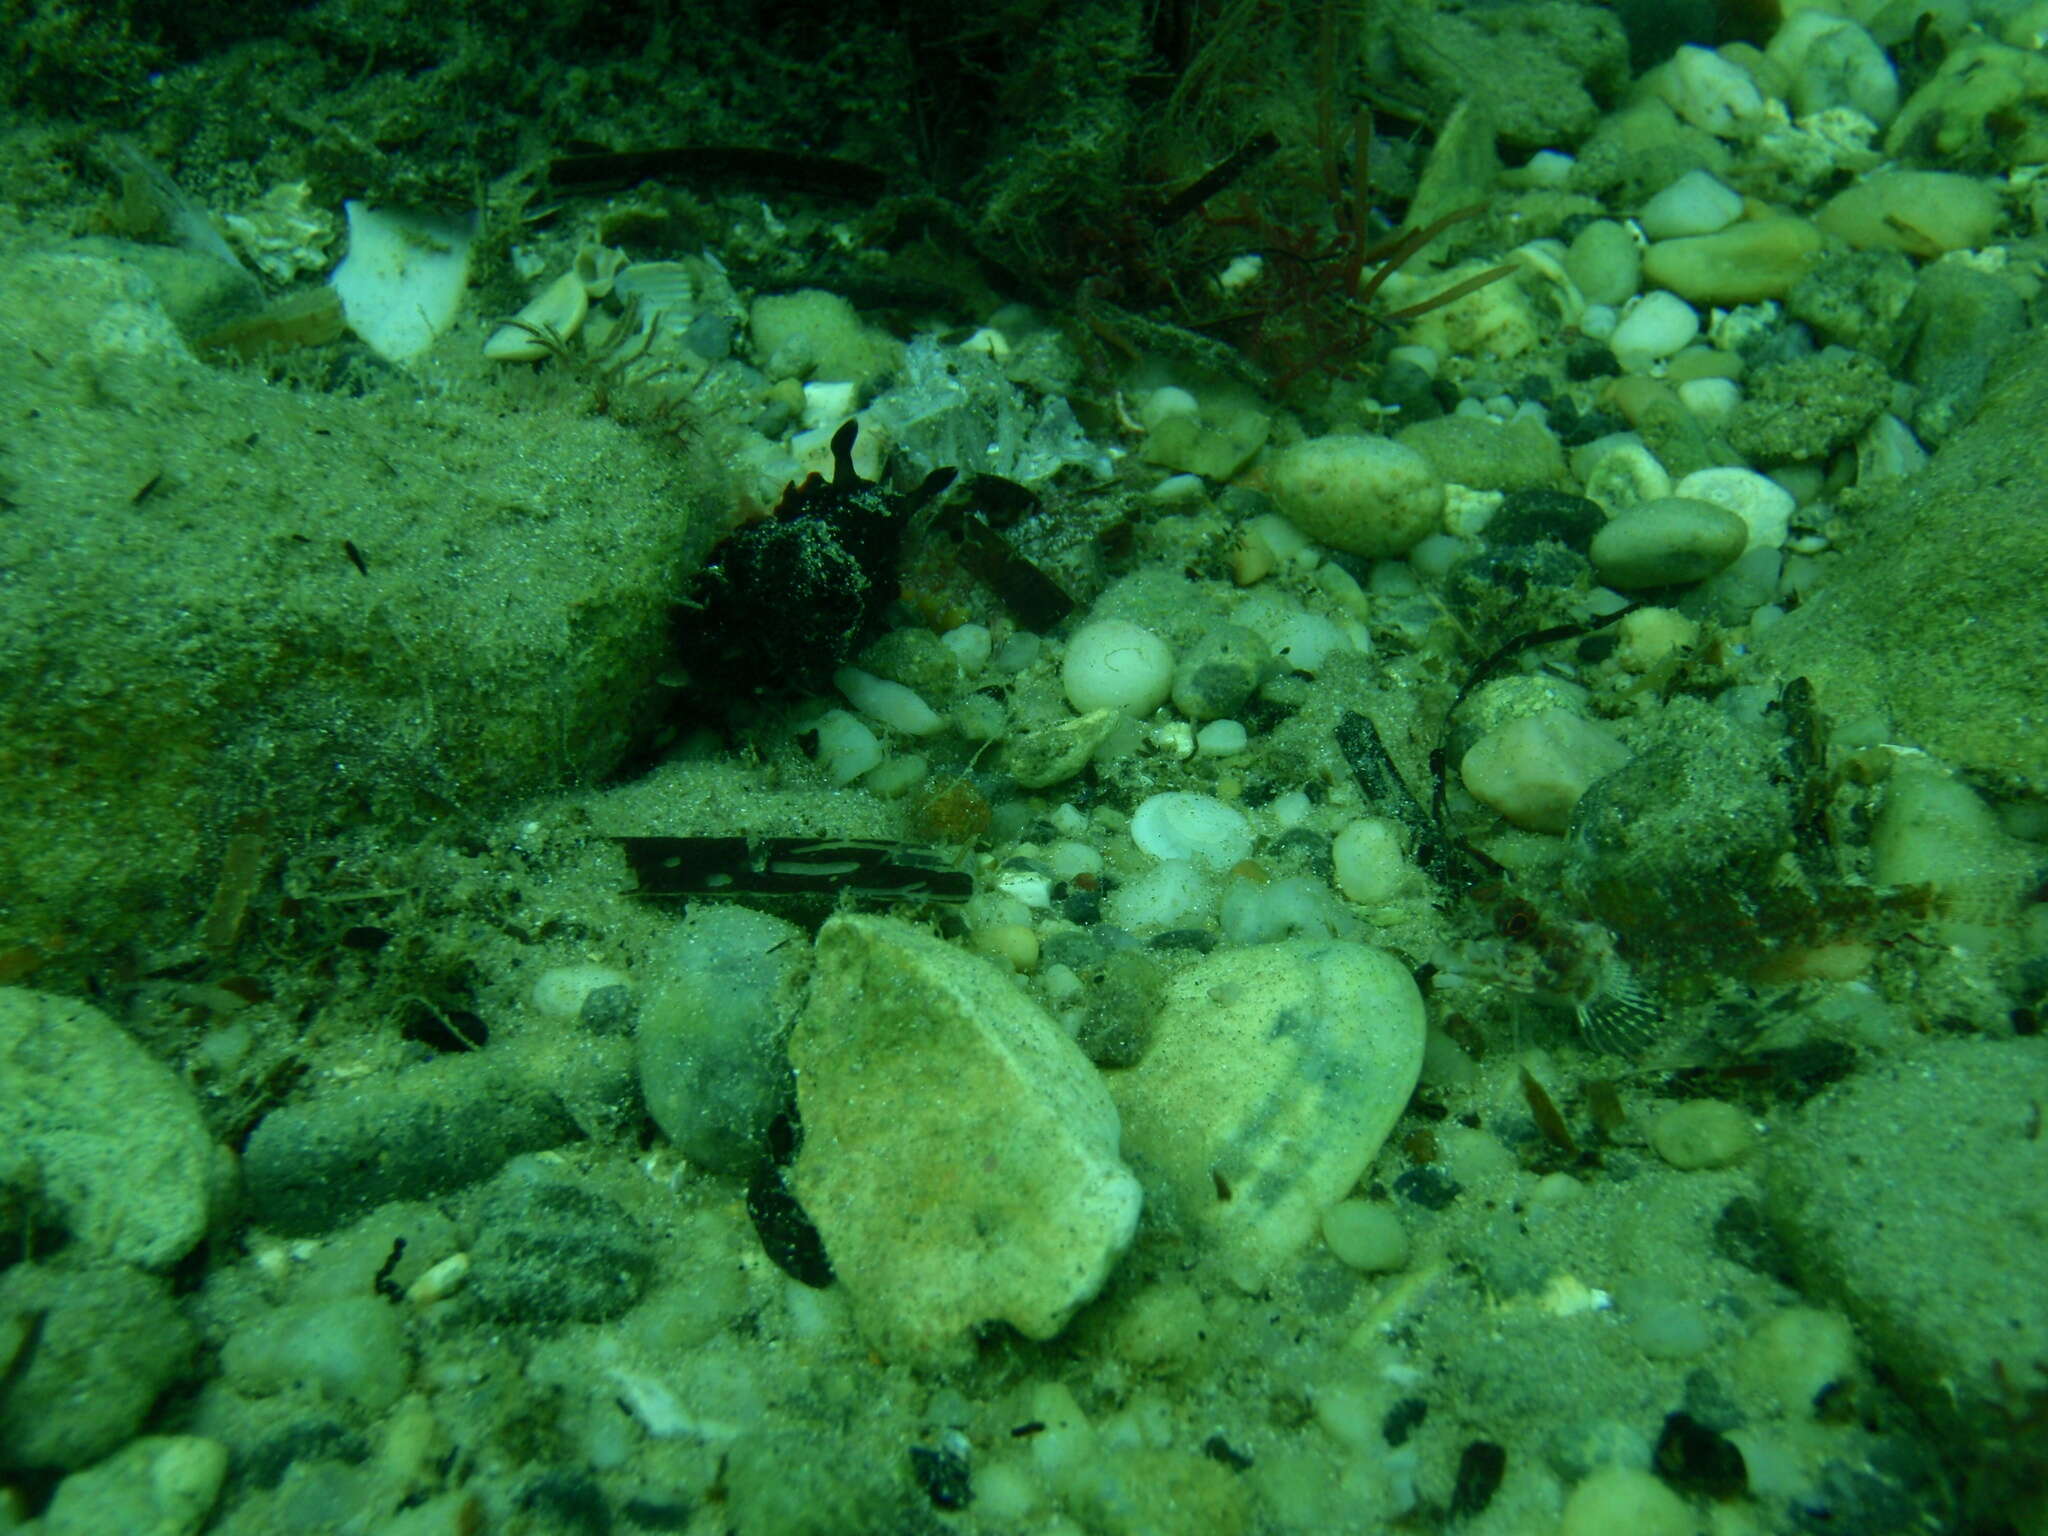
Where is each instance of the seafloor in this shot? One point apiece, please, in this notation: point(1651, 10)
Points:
point(1370, 860)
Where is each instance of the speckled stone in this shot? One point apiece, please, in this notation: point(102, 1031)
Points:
point(1274, 1074)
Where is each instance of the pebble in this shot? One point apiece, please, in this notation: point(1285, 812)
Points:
point(1219, 672)
point(348, 1350)
point(1222, 738)
point(1923, 213)
point(110, 1136)
point(960, 1154)
point(1367, 496)
point(1764, 506)
point(1606, 263)
point(1702, 1133)
point(1366, 1236)
point(897, 707)
point(1710, 92)
point(1038, 759)
point(1745, 263)
point(1370, 864)
point(109, 1341)
point(1197, 828)
point(1534, 770)
point(311, 1165)
point(1657, 326)
point(1115, 664)
point(158, 1485)
point(709, 1047)
point(1274, 1074)
point(846, 747)
point(1668, 541)
point(551, 1251)
point(1698, 203)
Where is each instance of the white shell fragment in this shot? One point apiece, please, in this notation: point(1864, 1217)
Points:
point(557, 312)
point(402, 281)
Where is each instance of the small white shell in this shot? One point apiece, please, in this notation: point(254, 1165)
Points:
point(557, 310)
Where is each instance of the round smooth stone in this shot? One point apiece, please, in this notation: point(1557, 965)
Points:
point(1668, 542)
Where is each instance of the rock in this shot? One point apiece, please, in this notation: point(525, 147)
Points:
point(1946, 565)
point(159, 1485)
point(1909, 1195)
point(1219, 672)
point(711, 1036)
point(240, 670)
point(311, 1166)
point(1364, 495)
point(1743, 264)
point(111, 1136)
point(960, 1154)
point(1702, 1133)
point(1657, 326)
point(107, 1344)
point(1668, 849)
point(1115, 664)
point(1533, 771)
point(1962, 321)
point(1807, 408)
point(350, 1350)
point(1038, 759)
point(1923, 213)
point(1489, 455)
point(549, 1251)
point(1668, 541)
point(1274, 1073)
point(1764, 506)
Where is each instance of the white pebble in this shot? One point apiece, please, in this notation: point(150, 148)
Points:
point(1168, 894)
point(846, 748)
point(1115, 664)
point(1695, 204)
point(1305, 640)
point(1712, 401)
point(1370, 866)
point(1711, 92)
point(895, 777)
point(894, 705)
point(1365, 1236)
point(1165, 404)
point(1657, 326)
point(970, 645)
point(1221, 738)
point(1763, 504)
point(1198, 828)
point(1070, 859)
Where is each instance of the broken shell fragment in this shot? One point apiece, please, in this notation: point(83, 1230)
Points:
point(548, 320)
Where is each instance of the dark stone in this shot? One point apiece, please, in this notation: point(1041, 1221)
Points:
point(310, 1167)
point(570, 1503)
point(1430, 1188)
point(1527, 517)
point(1402, 1420)
point(943, 1476)
point(1216, 1448)
point(1697, 1460)
point(787, 1234)
point(552, 1252)
point(1481, 1466)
